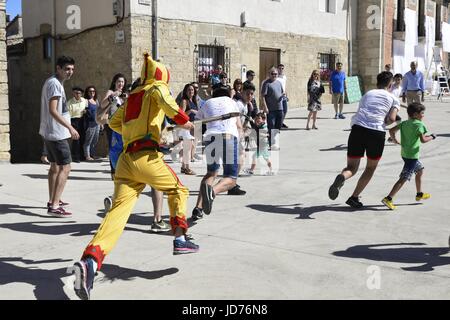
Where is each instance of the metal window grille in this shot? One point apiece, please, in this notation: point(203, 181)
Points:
point(209, 57)
point(327, 64)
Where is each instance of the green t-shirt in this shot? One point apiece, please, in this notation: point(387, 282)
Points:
point(410, 133)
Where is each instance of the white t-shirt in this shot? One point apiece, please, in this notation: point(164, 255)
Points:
point(50, 129)
point(373, 109)
point(243, 109)
point(282, 79)
point(217, 107)
point(396, 91)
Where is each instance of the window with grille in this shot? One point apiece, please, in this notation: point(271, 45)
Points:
point(400, 17)
point(327, 65)
point(209, 57)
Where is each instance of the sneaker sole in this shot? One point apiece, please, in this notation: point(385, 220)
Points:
point(186, 251)
point(387, 205)
point(80, 277)
point(353, 206)
point(195, 218)
point(57, 215)
point(206, 198)
point(159, 230)
point(107, 202)
point(338, 183)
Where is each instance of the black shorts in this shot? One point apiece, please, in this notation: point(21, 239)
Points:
point(365, 140)
point(59, 152)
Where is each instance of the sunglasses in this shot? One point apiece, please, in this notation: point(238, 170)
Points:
point(274, 74)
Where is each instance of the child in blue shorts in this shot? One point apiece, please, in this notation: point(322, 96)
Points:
point(412, 135)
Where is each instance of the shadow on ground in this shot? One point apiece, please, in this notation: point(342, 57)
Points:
point(70, 228)
point(16, 209)
point(112, 273)
point(305, 213)
point(45, 177)
point(339, 147)
point(49, 285)
point(409, 253)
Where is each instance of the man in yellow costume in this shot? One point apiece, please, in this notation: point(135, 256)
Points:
point(140, 164)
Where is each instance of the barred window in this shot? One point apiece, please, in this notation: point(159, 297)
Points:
point(327, 64)
point(209, 57)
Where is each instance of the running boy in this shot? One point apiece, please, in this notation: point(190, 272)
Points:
point(412, 134)
point(377, 109)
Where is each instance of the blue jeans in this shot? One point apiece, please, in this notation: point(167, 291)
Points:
point(219, 147)
point(274, 122)
point(285, 108)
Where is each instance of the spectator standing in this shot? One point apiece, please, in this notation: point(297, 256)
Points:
point(250, 77)
point(77, 107)
point(186, 144)
point(337, 89)
point(283, 79)
point(56, 130)
point(92, 128)
point(237, 88)
point(413, 86)
point(396, 86)
point(315, 91)
point(114, 98)
point(272, 94)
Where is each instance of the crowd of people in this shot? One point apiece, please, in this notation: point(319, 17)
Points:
point(135, 116)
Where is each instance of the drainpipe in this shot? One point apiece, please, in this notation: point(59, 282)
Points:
point(350, 37)
point(54, 38)
point(381, 58)
point(155, 52)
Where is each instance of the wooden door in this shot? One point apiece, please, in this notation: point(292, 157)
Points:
point(268, 58)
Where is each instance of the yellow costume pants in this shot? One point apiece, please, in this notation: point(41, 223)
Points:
point(135, 171)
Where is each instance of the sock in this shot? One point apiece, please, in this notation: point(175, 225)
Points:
point(181, 238)
point(389, 198)
point(419, 194)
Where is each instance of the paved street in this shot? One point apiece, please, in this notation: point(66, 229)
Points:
point(284, 240)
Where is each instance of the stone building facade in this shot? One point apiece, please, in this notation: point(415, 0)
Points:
point(4, 106)
point(117, 45)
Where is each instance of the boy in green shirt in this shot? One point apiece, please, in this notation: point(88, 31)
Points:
point(412, 134)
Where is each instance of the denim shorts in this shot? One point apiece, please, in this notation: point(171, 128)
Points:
point(59, 152)
point(222, 148)
point(412, 166)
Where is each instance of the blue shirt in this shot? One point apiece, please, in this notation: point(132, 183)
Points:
point(413, 82)
point(337, 81)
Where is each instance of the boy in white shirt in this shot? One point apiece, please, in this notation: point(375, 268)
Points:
point(377, 109)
